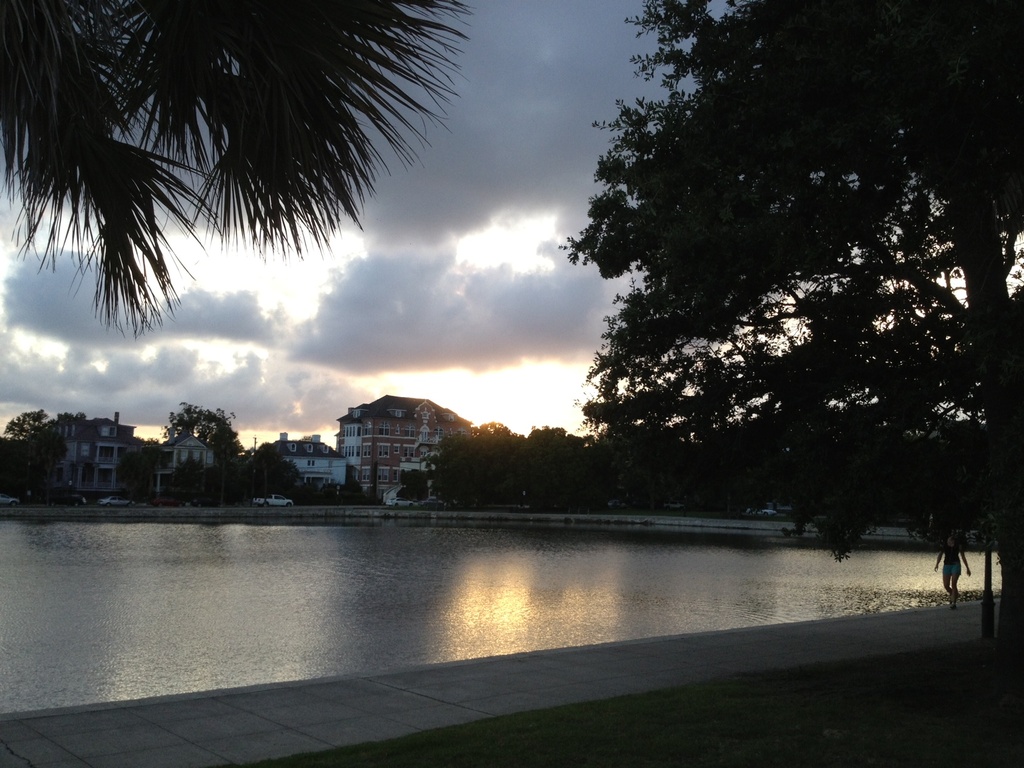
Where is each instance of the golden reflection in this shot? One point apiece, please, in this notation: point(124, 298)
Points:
point(490, 608)
point(507, 606)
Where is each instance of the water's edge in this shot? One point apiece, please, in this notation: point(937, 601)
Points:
point(343, 514)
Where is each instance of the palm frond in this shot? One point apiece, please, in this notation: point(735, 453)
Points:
point(122, 119)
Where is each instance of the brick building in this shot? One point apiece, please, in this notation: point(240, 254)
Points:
point(381, 440)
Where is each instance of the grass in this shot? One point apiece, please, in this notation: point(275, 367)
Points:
point(932, 708)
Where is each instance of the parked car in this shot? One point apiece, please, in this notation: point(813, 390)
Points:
point(114, 501)
point(399, 502)
point(674, 505)
point(68, 500)
point(8, 501)
point(616, 504)
point(165, 501)
point(273, 500)
point(204, 501)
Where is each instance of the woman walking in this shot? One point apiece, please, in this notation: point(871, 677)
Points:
point(950, 557)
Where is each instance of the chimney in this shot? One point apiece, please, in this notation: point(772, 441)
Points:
point(284, 437)
point(316, 438)
point(117, 417)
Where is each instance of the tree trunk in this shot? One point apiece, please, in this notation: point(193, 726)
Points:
point(1009, 663)
point(995, 344)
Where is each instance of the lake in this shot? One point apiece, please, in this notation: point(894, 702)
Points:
point(98, 611)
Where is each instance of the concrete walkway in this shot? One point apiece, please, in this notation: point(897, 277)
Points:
point(244, 725)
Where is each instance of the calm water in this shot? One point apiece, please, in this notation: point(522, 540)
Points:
point(97, 612)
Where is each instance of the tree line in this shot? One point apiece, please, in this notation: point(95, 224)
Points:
point(548, 469)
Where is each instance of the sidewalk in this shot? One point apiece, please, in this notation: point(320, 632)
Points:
point(244, 725)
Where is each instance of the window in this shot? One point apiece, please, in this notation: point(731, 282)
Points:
point(384, 429)
point(366, 474)
point(366, 450)
point(383, 451)
point(410, 430)
point(291, 447)
point(382, 474)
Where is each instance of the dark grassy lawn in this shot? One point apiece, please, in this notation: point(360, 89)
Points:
point(933, 709)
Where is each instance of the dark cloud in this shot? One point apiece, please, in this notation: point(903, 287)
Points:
point(60, 305)
point(535, 76)
point(233, 317)
point(393, 314)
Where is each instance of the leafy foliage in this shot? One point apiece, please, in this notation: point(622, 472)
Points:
point(39, 446)
point(802, 225)
point(26, 425)
point(549, 469)
point(136, 469)
point(822, 219)
point(189, 476)
point(274, 472)
point(123, 120)
point(214, 428)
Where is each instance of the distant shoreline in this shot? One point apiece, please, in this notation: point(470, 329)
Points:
point(342, 514)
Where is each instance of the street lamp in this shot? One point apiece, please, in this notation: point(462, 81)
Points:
point(253, 494)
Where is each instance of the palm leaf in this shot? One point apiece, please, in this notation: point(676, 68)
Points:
point(124, 119)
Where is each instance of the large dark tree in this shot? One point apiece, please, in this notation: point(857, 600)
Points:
point(214, 428)
point(137, 469)
point(476, 470)
point(276, 473)
point(261, 120)
point(42, 445)
point(822, 219)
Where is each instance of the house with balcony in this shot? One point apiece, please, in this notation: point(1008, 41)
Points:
point(318, 463)
point(175, 451)
point(94, 449)
point(380, 441)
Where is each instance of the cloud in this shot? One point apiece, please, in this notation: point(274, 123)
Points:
point(60, 306)
point(407, 313)
point(519, 137)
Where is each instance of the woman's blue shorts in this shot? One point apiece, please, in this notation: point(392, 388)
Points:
point(951, 570)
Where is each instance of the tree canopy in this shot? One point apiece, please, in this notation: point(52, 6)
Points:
point(549, 469)
point(214, 428)
point(27, 425)
point(822, 221)
point(259, 120)
point(35, 436)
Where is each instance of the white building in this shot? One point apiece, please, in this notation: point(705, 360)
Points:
point(318, 463)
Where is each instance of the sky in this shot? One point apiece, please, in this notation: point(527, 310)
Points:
point(455, 288)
